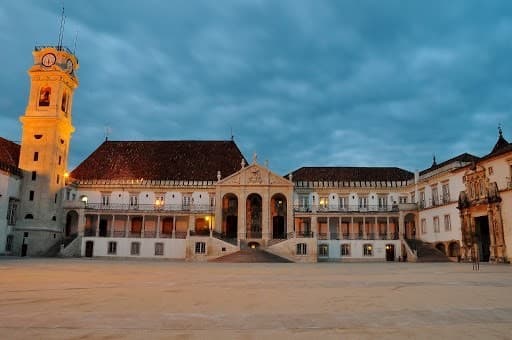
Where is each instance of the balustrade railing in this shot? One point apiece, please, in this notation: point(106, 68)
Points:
point(151, 207)
point(346, 209)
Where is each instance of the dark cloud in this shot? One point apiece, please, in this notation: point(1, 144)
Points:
point(299, 82)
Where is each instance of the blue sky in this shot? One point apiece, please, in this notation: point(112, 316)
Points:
point(300, 82)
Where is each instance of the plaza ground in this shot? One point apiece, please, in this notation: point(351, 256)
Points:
point(91, 298)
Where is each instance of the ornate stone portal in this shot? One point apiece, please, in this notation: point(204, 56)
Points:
point(481, 220)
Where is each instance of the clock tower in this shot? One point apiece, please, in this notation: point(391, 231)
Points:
point(46, 134)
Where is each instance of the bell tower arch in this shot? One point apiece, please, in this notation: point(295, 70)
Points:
point(46, 133)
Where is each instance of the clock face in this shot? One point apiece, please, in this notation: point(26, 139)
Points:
point(69, 66)
point(48, 59)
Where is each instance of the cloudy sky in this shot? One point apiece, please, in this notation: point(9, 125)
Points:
point(300, 82)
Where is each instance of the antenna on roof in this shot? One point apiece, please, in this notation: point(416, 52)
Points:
point(74, 43)
point(61, 29)
point(231, 132)
point(108, 131)
point(434, 163)
point(500, 131)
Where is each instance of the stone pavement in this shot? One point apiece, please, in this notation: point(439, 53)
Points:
point(136, 299)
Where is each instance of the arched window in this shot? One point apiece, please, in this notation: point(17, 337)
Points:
point(64, 103)
point(44, 96)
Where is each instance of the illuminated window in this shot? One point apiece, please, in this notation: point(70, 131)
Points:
point(323, 250)
point(44, 96)
point(367, 250)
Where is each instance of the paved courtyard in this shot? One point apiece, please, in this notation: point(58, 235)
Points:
point(89, 299)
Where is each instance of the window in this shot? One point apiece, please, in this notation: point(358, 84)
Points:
point(38, 136)
point(64, 103)
point(44, 96)
point(435, 195)
point(343, 202)
point(323, 250)
point(11, 212)
point(60, 160)
point(324, 202)
point(186, 201)
point(423, 225)
point(446, 192)
point(302, 249)
point(422, 199)
point(159, 249)
point(159, 202)
point(34, 175)
point(402, 199)
point(212, 201)
point(436, 224)
point(29, 217)
point(134, 201)
point(345, 249)
point(55, 200)
point(31, 195)
point(367, 250)
point(447, 223)
point(383, 202)
point(200, 247)
point(36, 156)
point(58, 179)
point(112, 248)
point(491, 170)
point(363, 202)
point(68, 194)
point(105, 200)
point(303, 203)
point(413, 197)
point(135, 248)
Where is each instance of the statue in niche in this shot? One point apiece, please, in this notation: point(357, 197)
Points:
point(44, 96)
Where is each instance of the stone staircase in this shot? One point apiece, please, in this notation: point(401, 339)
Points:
point(250, 255)
point(426, 252)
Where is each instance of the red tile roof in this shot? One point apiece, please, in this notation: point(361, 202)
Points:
point(9, 156)
point(160, 160)
point(351, 174)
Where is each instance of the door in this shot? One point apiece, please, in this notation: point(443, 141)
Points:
point(103, 228)
point(89, 248)
point(24, 249)
point(231, 226)
point(278, 227)
point(390, 252)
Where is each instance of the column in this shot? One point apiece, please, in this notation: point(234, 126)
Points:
point(143, 226)
point(340, 229)
point(401, 225)
point(314, 226)
point(98, 226)
point(328, 228)
point(112, 226)
point(351, 228)
point(388, 236)
point(158, 226)
point(126, 226)
point(365, 235)
point(174, 226)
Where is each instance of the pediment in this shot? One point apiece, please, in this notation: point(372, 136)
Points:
point(254, 175)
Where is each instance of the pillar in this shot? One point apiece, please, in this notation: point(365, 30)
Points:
point(98, 225)
point(158, 226)
point(173, 226)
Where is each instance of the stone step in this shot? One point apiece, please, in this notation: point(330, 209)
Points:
point(251, 256)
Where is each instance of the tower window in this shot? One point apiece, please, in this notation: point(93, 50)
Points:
point(64, 104)
point(58, 179)
point(60, 160)
point(31, 195)
point(44, 96)
point(36, 156)
point(56, 196)
point(34, 175)
point(38, 136)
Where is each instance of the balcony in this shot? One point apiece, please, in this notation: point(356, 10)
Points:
point(199, 208)
point(346, 209)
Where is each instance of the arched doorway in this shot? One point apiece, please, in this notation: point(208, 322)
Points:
point(278, 211)
point(441, 248)
point(230, 216)
point(71, 223)
point(390, 252)
point(253, 217)
point(410, 226)
point(453, 249)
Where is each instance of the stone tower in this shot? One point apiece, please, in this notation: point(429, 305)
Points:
point(46, 134)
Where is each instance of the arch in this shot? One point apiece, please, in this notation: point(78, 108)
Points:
point(453, 249)
point(229, 227)
point(278, 209)
point(253, 215)
point(71, 223)
point(441, 247)
point(390, 252)
point(410, 226)
point(44, 96)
